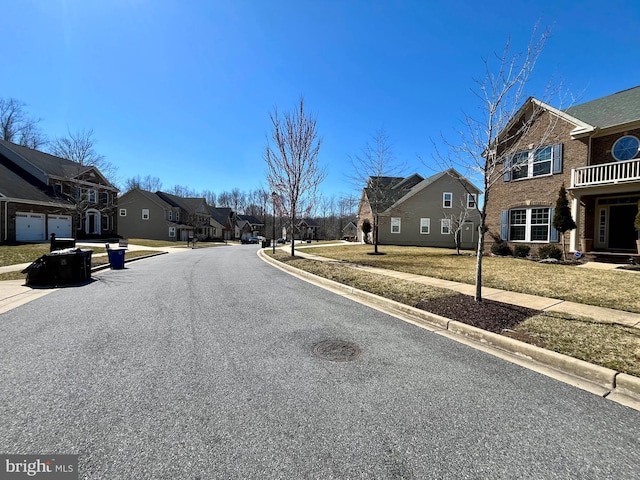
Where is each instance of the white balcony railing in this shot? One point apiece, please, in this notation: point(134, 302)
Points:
point(606, 174)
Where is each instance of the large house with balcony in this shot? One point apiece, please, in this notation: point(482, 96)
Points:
point(594, 150)
point(41, 194)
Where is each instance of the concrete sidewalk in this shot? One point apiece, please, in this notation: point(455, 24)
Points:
point(599, 314)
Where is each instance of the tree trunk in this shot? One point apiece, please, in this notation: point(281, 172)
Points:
point(478, 294)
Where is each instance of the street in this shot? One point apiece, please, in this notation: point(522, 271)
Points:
point(200, 365)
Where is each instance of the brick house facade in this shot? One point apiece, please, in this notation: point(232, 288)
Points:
point(575, 148)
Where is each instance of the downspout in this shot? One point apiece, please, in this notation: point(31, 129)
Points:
point(6, 220)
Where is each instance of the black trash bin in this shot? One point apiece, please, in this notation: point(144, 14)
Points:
point(60, 267)
point(61, 243)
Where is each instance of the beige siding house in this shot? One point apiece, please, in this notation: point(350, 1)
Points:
point(423, 212)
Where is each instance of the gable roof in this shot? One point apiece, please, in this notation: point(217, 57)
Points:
point(43, 165)
point(18, 184)
point(617, 109)
point(309, 222)
point(188, 204)
point(220, 214)
point(250, 219)
point(453, 173)
point(148, 195)
point(389, 189)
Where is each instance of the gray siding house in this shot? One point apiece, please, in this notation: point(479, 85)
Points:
point(424, 211)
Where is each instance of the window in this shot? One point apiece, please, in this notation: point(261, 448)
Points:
point(123, 212)
point(471, 200)
point(425, 226)
point(145, 214)
point(91, 195)
point(178, 216)
point(105, 222)
point(529, 225)
point(172, 232)
point(105, 198)
point(447, 199)
point(170, 215)
point(626, 148)
point(535, 163)
point(395, 224)
point(445, 226)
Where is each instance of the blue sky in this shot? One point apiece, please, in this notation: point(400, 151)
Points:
point(182, 90)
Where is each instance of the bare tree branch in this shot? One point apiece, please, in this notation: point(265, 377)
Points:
point(293, 168)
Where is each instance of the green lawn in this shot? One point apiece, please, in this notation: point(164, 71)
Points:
point(605, 288)
point(13, 254)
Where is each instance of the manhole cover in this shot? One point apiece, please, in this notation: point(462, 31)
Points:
point(337, 350)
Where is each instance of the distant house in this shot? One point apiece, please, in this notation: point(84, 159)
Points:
point(350, 231)
point(421, 212)
point(162, 216)
point(594, 149)
point(307, 229)
point(41, 194)
point(222, 223)
point(248, 226)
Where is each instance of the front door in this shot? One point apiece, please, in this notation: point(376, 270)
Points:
point(622, 234)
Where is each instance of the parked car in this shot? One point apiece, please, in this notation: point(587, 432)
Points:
point(281, 240)
point(253, 239)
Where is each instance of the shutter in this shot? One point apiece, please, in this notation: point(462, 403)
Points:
point(504, 225)
point(506, 172)
point(557, 158)
point(553, 233)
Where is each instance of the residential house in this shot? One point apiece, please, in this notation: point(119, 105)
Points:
point(247, 226)
point(162, 216)
point(41, 194)
point(593, 149)
point(421, 211)
point(307, 229)
point(222, 223)
point(350, 231)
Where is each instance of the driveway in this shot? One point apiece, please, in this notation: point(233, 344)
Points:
point(202, 365)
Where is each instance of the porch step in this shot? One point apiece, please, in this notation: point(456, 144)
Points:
point(612, 257)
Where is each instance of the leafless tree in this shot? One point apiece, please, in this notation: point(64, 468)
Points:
point(16, 126)
point(210, 197)
point(79, 147)
point(238, 200)
point(457, 219)
point(148, 183)
point(373, 168)
point(488, 140)
point(183, 191)
point(224, 199)
point(294, 172)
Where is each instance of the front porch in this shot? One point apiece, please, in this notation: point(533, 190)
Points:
point(604, 206)
point(612, 257)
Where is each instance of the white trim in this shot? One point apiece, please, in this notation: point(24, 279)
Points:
point(425, 222)
point(145, 214)
point(445, 226)
point(528, 225)
point(396, 222)
point(444, 200)
point(123, 212)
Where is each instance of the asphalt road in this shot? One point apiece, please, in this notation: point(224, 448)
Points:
point(199, 365)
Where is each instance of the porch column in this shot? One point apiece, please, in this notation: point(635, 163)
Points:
point(574, 235)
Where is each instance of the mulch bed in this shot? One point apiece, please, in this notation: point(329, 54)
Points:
point(488, 314)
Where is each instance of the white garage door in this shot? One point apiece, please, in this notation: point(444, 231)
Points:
point(60, 225)
point(29, 227)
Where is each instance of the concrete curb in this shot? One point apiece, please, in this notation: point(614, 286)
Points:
point(108, 265)
point(619, 387)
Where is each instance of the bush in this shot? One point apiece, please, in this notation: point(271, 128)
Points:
point(550, 251)
point(521, 251)
point(502, 249)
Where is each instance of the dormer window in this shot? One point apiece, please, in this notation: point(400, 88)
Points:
point(626, 148)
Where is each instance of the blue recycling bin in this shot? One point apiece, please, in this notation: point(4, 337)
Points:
point(116, 258)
